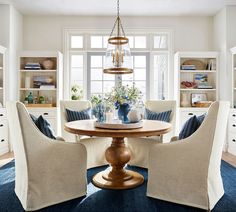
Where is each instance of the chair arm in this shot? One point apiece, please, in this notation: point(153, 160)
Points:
point(59, 159)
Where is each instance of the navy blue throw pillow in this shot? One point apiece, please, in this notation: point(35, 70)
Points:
point(191, 125)
point(78, 115)
point(43, 125)
point(162, 116)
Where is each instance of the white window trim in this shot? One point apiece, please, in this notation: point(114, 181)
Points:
point(149, 32)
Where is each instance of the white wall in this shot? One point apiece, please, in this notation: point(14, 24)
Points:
point(16, 41)
point(224, 38)
point(4, 24)
point(46, 32)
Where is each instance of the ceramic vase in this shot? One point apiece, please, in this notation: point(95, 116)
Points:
point(123, 112)
point(134, 116)
point(184, 100)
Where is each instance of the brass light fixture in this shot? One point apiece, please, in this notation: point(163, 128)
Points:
point(118, 58)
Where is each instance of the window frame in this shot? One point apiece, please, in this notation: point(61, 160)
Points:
point(149, 33)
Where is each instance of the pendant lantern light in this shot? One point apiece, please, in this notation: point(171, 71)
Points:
point(118, 58)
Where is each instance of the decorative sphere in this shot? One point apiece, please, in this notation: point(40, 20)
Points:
point(134, 115)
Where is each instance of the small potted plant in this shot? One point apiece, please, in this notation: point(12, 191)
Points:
point(76, 92)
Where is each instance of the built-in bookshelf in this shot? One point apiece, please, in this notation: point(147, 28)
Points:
point(40, 83)
point(4, 145)
point(231, 144)
point(196, 79)
point(40, 74)
point(2, 75)
point(233, 51)
point(195, 83)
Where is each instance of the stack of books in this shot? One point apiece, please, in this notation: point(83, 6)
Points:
point(204, 86)
point(188, 67)
point(49, 86)
point(32, 66)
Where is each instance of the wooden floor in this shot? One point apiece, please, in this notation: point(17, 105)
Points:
point(229, 158)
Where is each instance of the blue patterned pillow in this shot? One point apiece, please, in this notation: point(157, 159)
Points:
point(191, 125)
point(163, 116)
point(43, 125)
point(78, 115)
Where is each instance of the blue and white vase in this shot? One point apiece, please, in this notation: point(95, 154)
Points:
point(123, 111)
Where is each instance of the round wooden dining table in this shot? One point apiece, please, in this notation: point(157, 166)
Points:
point(118, 154)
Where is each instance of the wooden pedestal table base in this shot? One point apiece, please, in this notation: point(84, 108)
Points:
point(118, 155)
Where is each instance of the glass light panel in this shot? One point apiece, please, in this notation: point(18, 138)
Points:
point(131, 41)
point(118, 57)
point(77, 74)
point(140, 42)
point(96, 86)
point(107, 86)
point(96, 61)
point(96, 41)
point(77, 41)
point(77, 61)
point(96, 74)
point(160, 42)
point(139, 74)
point(139, 61)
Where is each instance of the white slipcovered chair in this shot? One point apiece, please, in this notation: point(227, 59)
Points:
point(188, 171)
point(95, 146)
point(139, 147)
point(47, 171)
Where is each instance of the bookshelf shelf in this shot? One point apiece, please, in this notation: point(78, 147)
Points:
point(38, 89)
point(197, 89)
point(197, 71)
point(38, 71)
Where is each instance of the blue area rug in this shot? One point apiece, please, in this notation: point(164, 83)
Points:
point(112, 200)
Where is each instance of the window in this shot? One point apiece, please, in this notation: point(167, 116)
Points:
point(150, 53)
point(140, 74)
point(76, 42)
point(77, 70)
point(98, 83)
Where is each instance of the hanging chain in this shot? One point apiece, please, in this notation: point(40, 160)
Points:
point(118, 8)
point(118, 22)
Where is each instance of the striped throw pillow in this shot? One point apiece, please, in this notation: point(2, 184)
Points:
point(191, 125)
point(78, 115)
point(43, 125)
point(162, 116)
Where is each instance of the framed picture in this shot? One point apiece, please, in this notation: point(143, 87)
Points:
point(198, 97)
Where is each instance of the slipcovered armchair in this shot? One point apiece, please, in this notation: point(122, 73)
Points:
point(95, 146)
point(188, 171)
point(139, 147)
point(47, 171)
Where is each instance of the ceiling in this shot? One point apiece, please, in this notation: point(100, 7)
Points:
point(127, 7)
